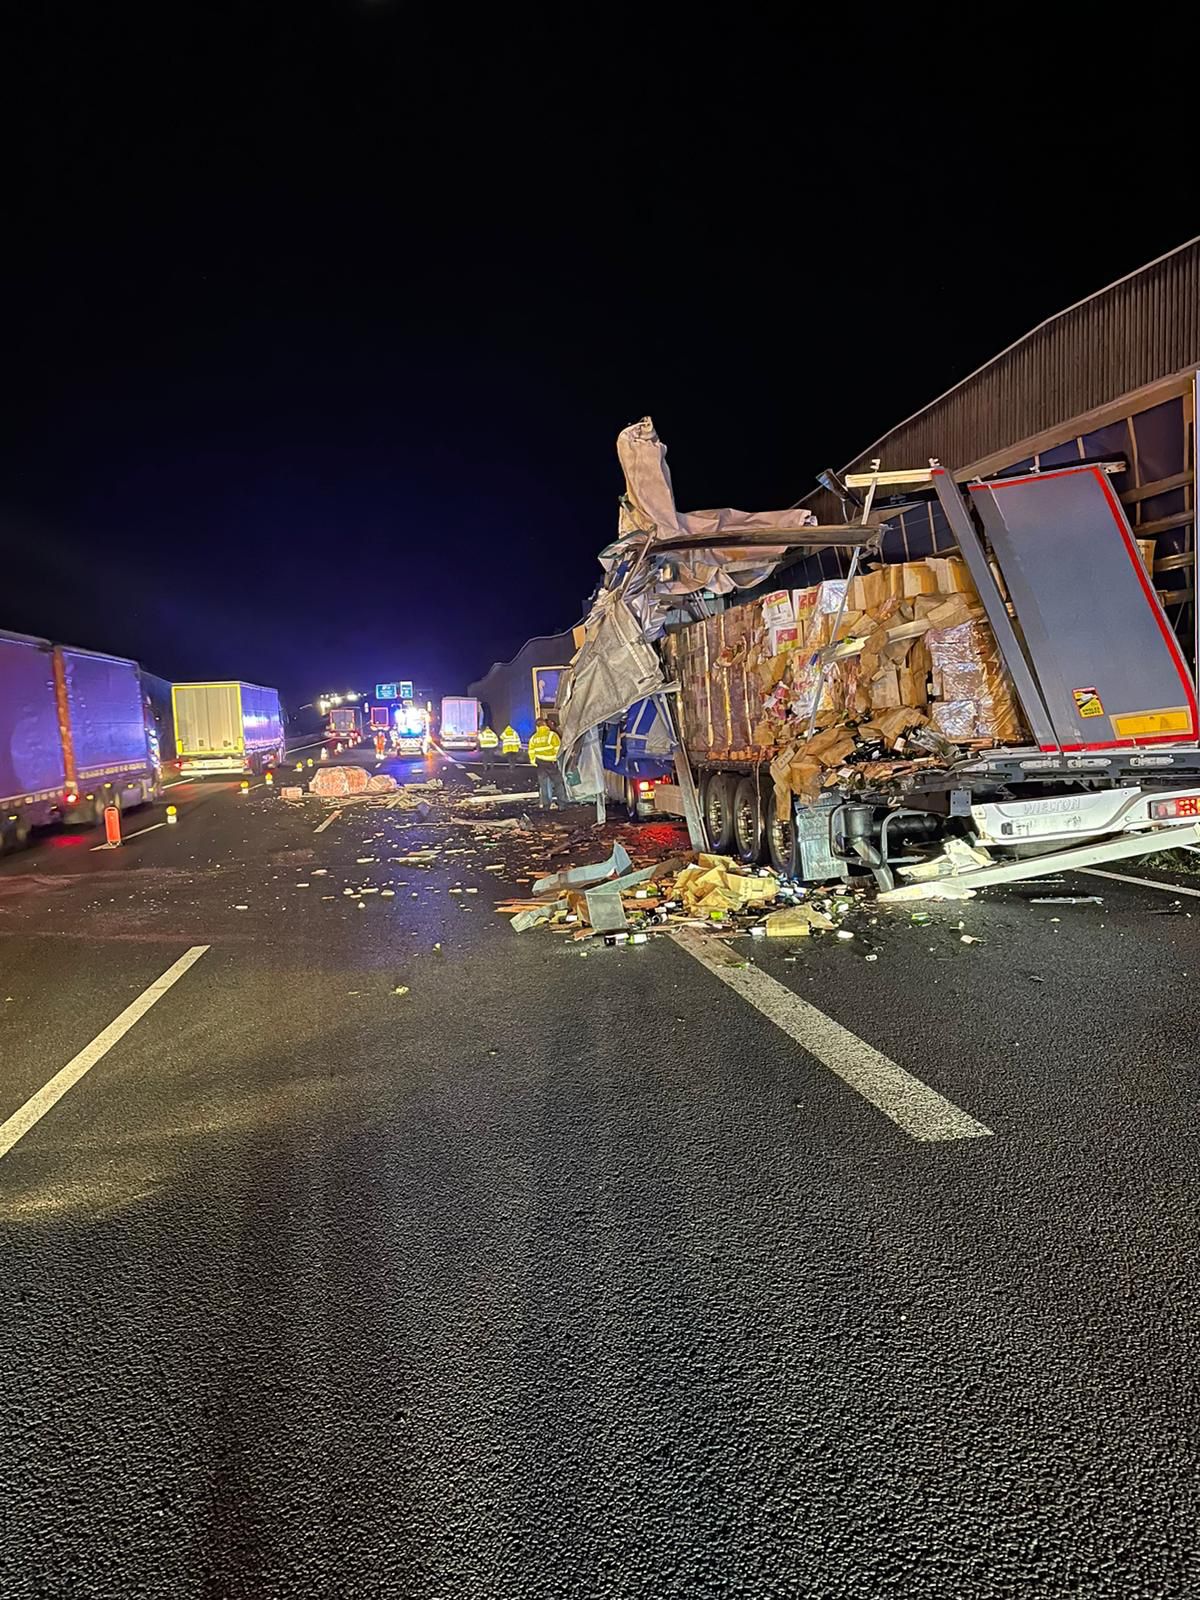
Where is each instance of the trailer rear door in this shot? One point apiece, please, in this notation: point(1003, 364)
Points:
point(208, 718)
point(1104, 655)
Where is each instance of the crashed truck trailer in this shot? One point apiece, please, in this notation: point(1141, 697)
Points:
point(1027, 697)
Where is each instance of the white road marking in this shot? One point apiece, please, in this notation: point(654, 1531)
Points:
point(462, 767)
point(911, 1104)
point(332, 817)
point(174, 784)
point(128, 836)
point(48, 1096)
point(1144, 883)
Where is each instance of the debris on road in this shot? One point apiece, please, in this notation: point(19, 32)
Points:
point(1067, 900)
point(576, 877)
point(337, 782)
point(797, 922)
point(480, 798)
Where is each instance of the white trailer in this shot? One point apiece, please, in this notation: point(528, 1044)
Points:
point(228, 727)
point(462, 723)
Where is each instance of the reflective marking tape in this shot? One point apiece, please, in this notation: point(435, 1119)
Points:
point(1136, 725)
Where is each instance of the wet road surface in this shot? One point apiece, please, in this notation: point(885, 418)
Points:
point(570, 1271)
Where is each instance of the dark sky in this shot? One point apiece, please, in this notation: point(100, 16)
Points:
point(321, 319)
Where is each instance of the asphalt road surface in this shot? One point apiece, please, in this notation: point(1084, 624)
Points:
point(581, 1273)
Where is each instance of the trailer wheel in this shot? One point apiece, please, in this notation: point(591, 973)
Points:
point(718, 811)
point(747, 821)
point(631, 801)
point(15, 836)
point(781, 844)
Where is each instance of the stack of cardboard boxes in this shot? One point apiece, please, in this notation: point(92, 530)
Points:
point(912, 648)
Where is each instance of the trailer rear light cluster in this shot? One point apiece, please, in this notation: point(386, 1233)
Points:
point(1186, 805)
point(644, 786)
point(70, 799)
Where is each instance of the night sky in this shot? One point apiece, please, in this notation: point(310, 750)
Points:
point(321, 320)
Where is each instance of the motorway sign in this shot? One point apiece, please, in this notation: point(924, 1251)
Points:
point(386, 691)
point(406, 692)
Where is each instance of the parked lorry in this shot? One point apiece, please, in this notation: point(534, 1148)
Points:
point(462, 722)
point(1024, 695)
point(345, 723)
point(73, 737)
point(227, 727)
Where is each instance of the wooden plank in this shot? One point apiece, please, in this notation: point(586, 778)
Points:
point(1146, 491)
point(1146, 530)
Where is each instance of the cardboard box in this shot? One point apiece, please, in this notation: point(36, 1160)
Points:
point(777, 609)
point(868, 591)
point(950, 574)
point(914, 686)
point(894, 576)
point(885, 689)
point(952, 613)
point(916, 578)
point(1146, 551)
point(804, 608)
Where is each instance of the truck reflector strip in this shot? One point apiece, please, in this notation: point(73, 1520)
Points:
point(1139, 724)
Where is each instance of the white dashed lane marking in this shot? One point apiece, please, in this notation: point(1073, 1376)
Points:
point(48, 1096)
point(911, 1104)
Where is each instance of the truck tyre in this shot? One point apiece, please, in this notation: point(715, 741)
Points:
point(781, 843)
point(718, 811)
point(631, 801)
point(747, 822)
point(14, 835)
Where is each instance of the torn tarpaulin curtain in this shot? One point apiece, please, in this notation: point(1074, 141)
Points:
point(614, 667)
point(616, 664)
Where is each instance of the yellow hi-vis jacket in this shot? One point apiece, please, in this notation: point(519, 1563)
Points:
point(510, 740)
point(544, 746)
point(488, 739)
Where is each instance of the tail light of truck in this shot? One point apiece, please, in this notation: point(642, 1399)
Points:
point(70, 798)
point(644, 786)
point(1185, 805)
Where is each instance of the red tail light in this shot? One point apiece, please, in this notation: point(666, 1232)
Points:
point(644, 785)
point(70, 799)
point(1186, 805)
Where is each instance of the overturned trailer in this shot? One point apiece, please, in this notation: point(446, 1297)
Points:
point(1022, 691)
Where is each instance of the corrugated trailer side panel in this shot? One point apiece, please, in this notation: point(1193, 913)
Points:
point(108, 721)
point(31, 755)
point(262, 725)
